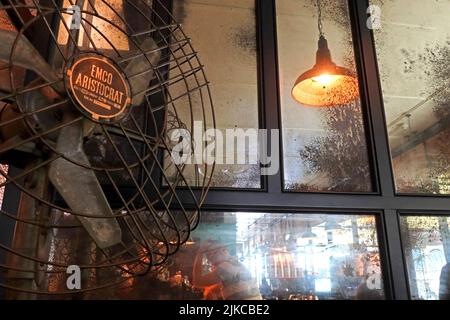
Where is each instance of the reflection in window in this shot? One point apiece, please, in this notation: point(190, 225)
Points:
point(224, 34)
point(324, 147)
point(427, 252)
point(275, 256)
point(413, 48)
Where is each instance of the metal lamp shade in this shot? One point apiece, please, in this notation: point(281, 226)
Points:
point(326, 84)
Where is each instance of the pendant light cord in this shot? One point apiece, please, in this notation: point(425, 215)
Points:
point(319, 20)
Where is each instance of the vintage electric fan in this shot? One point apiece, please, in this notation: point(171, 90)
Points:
point(90, 92)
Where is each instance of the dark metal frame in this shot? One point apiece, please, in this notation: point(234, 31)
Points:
point(384, 202)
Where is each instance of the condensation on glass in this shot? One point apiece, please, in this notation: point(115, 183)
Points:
point(282, 256)
point(426, 246)
point(224, 34)
point(324, 148)
point(413, 50)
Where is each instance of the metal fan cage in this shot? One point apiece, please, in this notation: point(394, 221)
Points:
point(131, 157)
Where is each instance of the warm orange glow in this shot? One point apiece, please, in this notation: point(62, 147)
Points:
point(324, 79)
point(326, 84)
point(326, 90)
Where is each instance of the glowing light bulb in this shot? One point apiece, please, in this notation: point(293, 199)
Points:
point(325, 84)
point(324, 79)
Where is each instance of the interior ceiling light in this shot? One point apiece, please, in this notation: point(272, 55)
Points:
point(326, 84)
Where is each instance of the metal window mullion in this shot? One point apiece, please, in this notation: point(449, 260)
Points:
point(374, 99)
point(395, 255)
point(391, 249)
point(266, 26)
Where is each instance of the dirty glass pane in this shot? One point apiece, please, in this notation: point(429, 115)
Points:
point(276, 256)
point(324, 147)
point(413, 49)
point(224, 35)
point(426, 241)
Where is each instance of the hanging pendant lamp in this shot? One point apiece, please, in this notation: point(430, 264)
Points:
point(326, 84)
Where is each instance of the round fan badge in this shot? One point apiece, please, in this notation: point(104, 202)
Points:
point(98, 88)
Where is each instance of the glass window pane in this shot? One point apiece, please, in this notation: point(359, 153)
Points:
point(426, 241)
point(276, 256)
point(324, 143)
point(413, 49)
point(224, 34)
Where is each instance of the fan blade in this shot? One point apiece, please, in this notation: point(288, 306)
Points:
point(139, 81)
point(26, 56)
point(81, 190)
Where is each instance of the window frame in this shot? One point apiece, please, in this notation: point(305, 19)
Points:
point(384, 201)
